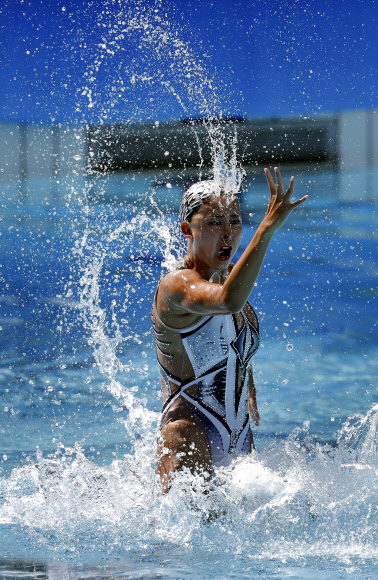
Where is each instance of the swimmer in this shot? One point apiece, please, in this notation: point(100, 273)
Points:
point(207, 332)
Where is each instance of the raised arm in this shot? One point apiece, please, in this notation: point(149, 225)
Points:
point(241, 280)
point(185, 292)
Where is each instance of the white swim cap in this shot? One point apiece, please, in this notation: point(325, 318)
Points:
point(197, 194)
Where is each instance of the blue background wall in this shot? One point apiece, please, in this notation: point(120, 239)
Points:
point(264, 58)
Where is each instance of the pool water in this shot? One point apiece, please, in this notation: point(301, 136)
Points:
point(80, 396)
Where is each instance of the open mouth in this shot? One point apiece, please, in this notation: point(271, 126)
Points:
point(225, 253)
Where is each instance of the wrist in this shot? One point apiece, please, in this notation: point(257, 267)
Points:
point(265, 231)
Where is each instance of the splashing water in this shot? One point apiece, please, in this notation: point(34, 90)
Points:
point(297, 501)
point(163, 60)
point(227, 171)
point(297, 498)
point(107, 334)
point(360, 433)
point(189, 84)
point(167, 63)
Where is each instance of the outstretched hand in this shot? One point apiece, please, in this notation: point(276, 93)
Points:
point(280, 206)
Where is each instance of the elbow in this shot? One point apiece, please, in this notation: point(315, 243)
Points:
point(233, 304)
point(234, 309)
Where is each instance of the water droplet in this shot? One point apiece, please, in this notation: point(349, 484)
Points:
point(289, 346)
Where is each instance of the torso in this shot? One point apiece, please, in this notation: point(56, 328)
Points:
point(204, 376)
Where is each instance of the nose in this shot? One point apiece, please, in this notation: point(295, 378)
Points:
point(227, 232)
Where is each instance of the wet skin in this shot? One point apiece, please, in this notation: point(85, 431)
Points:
point(210, 285)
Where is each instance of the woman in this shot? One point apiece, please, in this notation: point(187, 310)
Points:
point(206, 332)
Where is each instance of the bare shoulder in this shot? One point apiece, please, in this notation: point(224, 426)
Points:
point(172, 290)
point(174, 285)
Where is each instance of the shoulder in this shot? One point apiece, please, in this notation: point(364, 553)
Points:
point(173, 289)
point(170, 295)
point(177, 281)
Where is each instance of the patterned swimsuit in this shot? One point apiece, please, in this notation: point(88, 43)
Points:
point(219, 349)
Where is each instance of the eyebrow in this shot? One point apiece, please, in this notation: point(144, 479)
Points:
point(223, 215)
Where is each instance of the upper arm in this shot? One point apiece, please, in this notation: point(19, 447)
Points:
point(185, 292)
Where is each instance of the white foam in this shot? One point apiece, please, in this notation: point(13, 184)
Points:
point(296, 498)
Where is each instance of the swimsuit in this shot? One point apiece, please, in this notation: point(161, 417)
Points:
point(215, 398)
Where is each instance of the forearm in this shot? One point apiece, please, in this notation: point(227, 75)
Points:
point(240, 282)
point(252, 403)
point(243, 276)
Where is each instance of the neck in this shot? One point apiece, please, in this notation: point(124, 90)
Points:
point(207, 273)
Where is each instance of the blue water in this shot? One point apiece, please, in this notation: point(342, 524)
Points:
point(80, 397)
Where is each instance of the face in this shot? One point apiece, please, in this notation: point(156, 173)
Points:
point(215, 232)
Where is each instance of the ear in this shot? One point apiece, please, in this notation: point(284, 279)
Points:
point(186, 229)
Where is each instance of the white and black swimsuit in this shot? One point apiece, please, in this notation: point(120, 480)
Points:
point(220, 349)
